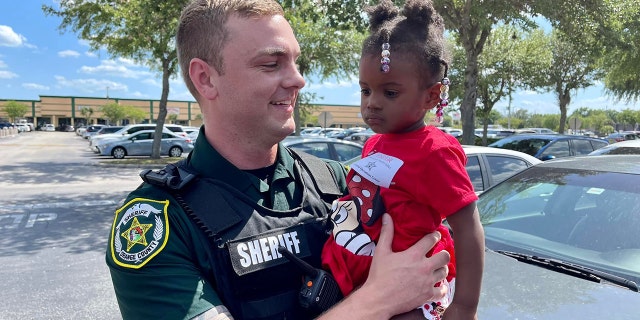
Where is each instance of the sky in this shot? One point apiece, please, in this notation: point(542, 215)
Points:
point(37, 59)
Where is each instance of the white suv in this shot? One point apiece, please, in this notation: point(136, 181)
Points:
point(132, 128)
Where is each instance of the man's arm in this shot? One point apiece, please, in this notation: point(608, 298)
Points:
point(398, 281)
point(217, 313)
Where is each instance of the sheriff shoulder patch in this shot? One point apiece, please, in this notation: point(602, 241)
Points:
point(139, 232)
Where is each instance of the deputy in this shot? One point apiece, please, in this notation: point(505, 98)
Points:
point(199, 240)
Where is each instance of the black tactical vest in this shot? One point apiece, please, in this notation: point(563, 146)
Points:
point(253, 280)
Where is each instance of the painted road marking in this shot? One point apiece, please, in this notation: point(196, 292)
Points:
point(51, 205)
point(11, 220)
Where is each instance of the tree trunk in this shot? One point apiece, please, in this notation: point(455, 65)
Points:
point(564, 98)
point(469, 100)
point(162, 112)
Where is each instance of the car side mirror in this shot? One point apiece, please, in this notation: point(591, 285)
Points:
point(549, 157)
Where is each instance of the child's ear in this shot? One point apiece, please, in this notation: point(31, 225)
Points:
point(433, 96)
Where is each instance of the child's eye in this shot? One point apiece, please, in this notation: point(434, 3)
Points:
point(391, 94)
point(365, 92)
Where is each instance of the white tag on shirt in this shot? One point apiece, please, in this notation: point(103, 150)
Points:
point(378, 168)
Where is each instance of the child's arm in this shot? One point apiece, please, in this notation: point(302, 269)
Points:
point(468, 237)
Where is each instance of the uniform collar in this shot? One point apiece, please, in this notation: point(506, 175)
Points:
point(208, 162)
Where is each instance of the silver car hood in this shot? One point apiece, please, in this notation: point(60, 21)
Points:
point(516, 290)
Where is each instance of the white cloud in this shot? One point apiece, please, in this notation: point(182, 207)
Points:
point(9, 38)
point(90, 54)
point(68, 53)
point(2, 64)
point(35, 86)
point(152, 82)
point(99, 87)
point(139, 95)
point(119, 68)
point(7, 75)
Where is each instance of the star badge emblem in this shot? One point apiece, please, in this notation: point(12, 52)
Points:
point(136, 234)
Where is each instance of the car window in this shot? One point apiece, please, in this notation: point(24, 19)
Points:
point(582, 147)
point(139, 128)
point(598, 144)
point(318, 149)
point(557, 149)
point(502, 167)
point(346, 152)
point(475, 174)
point(175, 128)
point(144, 136)
point(528, 146)
point(167, 135)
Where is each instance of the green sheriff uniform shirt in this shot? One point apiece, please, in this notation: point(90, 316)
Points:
point(156, 252)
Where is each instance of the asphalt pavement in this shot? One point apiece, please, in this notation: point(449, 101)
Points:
point(56, 207)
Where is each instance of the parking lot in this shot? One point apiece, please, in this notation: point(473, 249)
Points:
point(56, 207)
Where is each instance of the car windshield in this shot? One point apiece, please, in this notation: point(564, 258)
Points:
point(587, 218)
point(528, 146)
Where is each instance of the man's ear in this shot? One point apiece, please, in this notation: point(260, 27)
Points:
point(202, 76)
point(433, 96)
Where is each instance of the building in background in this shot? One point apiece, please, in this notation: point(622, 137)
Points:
point(65, 110)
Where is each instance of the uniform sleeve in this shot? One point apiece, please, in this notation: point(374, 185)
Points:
point(449, 185)
point(151, 257)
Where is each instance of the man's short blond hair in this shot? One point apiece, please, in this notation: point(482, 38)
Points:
point(202, 31)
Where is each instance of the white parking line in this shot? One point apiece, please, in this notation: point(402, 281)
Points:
point(51, 205)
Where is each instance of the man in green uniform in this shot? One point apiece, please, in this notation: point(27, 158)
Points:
point(200, 240)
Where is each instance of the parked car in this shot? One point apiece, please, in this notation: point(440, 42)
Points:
point(107, 130)
point(562, 241)
point(133, 128)
point(494, 133)
point(310, 131)
point(488, 166)
point(140, 143)
point(452, 131)
point(48, 127)
point(326, 148)
point(550, 146)
point(347, 132)
point(22, 127)
point(92, 130)
point(361, 137)
point(622, 147)
point(536, 130)
point(622, 136)
point(81, 129)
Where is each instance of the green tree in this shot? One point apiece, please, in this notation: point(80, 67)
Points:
point(621, 60)
point(333, 52)
point(114, 112)
point(134, 114)
point(510, 59)
point(628, 119)
point(574, 66)
point(474, 21)
point(142, 30)
point(87, 113)
point(15, 110)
